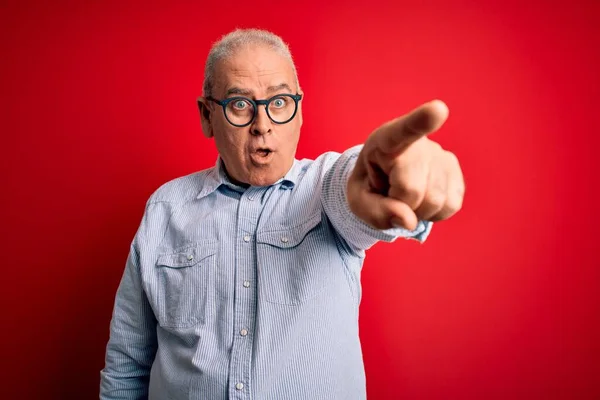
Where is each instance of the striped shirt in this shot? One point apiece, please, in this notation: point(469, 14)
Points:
point(245, 293)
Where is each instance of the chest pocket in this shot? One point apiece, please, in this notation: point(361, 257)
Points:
point(294, 262)
point(186, 284)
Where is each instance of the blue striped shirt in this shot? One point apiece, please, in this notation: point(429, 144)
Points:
point(245, 293)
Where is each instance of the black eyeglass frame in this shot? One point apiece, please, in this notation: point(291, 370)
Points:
point(255, 104)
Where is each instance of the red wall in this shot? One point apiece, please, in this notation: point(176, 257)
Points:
point(98, 109)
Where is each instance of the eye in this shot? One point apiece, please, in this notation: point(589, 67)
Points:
point(240, 104)
point(279, 102)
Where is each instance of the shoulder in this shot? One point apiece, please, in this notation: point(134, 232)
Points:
point(166, 199)
point(182, 189)
point(317, 168)
point(310, 167)
point(328, 158)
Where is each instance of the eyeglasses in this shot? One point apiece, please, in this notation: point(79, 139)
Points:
point(242, 111)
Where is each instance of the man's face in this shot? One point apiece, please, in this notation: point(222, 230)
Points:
point(261, 153)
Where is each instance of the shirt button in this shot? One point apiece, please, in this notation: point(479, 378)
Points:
point(239, 386)
point(246, 284)
point(250, 198)
point(246, 238)
point(284, 239)
point(190, 257)
point(244, 332)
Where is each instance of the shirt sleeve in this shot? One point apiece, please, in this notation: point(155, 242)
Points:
point(132, 344)
point(352, 229)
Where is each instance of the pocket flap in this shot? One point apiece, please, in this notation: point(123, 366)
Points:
point(187, 256)
point(290, 236)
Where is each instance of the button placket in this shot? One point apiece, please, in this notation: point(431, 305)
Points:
point(241, 354)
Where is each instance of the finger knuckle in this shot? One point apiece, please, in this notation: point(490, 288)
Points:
point(435, 199)
point(436, 146)
point(452, 159)
point(454, 203)
point(411, 190)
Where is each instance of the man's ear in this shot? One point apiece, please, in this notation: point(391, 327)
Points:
point(299, 116)
point(205, 117)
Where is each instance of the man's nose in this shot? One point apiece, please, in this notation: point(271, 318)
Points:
point(262, 123)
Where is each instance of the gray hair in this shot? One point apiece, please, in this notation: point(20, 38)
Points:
point(239, 38)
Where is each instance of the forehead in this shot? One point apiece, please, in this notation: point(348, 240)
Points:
point(255, 70)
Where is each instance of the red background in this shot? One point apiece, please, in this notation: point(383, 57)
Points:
point(98, 109)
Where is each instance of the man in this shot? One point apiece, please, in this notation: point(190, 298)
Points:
point(243, 280)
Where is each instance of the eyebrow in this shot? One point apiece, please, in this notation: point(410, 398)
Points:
point(236, 90)
point(279, 87)
point(247, 92)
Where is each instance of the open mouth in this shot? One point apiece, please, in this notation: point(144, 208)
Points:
point(262, 156)
point(264, 152)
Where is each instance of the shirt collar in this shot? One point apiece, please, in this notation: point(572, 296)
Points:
point(217, 176)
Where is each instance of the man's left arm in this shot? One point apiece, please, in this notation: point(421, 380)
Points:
point(396, 184)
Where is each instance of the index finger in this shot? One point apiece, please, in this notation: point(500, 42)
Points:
point(396, 135)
